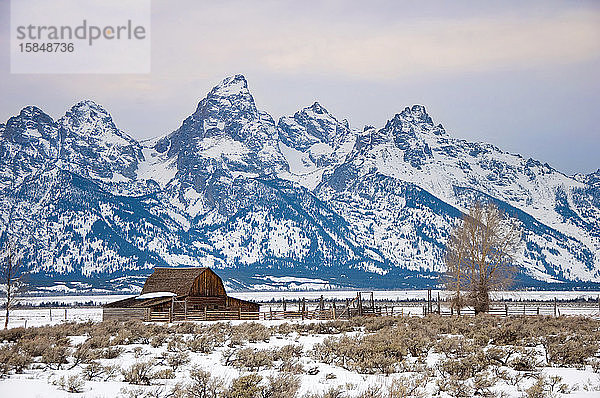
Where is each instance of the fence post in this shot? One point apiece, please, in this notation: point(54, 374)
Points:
point(523, 309)
point(321, 303)
point(428, 301)
point(65, 314)
point(372, 302)
point(506, 310)
point(172, 309)
point(555, 307)
point(538, 310)
point(333, 306)
point(50, 314)
point(439, 305)
point(271, 312)
point(205, 313)
point(303, 307)
point(284, 305)
point(239, 313)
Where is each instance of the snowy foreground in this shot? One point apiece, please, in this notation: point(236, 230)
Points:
point(370, 358)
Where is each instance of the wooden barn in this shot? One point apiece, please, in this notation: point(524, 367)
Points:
point(179, 294)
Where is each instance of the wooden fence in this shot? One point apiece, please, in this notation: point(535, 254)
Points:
point(203, 315)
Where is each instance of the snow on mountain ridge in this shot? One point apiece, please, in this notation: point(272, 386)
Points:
point(232, 189)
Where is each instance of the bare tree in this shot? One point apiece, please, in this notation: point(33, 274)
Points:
point(480, 255)
point(10, 275)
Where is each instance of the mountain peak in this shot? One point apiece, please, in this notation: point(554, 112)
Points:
point(232, 85)
point(31, 122)
point(417, 113)
point(318, 108)
point(31, 112)
point(89, 112)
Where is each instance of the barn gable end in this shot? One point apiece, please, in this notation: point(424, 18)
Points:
point(184, 281)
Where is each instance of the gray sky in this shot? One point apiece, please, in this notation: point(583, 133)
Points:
point(524, 76)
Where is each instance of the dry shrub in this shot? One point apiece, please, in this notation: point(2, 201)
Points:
point(524, 361)
point(141, 373)
point(538, 390)
point(569, 350)
point(158, 339)
point(454, 387)
point(247, 386)
point(455, 347)
point(185, 328)
point(372, 391)
point(93, 371)
point(252, 332)
point(202, 385)
point(464, 368)
point(287, 352)
point(380, 352)
point(404, 387)
point(12, 335)
point(201, 343)
point(35, 346)
point(282, 386)
point(110, 352)
point(12, 358)
point(252, 359)
point(378, 323)
point(55, 356)
point(164, 374)
point(72, 383)
point(177, 359)
point(176, 343)
point(99, 341)
point(123, 337)
point(332, 392)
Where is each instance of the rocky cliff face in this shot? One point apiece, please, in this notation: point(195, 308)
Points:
point(308, 200)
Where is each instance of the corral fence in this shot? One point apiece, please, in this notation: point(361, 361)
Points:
point(202, 315)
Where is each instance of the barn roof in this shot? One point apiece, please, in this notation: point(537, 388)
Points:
point(175, 280)
point(133, 302)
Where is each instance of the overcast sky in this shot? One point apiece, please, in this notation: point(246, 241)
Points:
point(524, 76)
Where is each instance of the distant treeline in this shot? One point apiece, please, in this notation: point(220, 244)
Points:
point(55, 304)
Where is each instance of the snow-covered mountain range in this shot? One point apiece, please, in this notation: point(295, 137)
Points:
point(305, 201)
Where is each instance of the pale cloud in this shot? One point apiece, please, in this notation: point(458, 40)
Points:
point(334, 46)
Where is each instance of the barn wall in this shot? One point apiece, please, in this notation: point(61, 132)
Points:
point(211, 303)
point(248, 306)
point(207, 284)
point(123, 314)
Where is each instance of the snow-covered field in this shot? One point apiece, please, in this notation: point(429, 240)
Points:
point(273, 300)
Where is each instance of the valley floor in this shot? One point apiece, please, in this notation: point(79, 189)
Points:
point(364, 357)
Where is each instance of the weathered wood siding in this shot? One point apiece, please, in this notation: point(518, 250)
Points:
point(234, 304)
point(221, 303)
point(207, 284)
point(124, 314)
